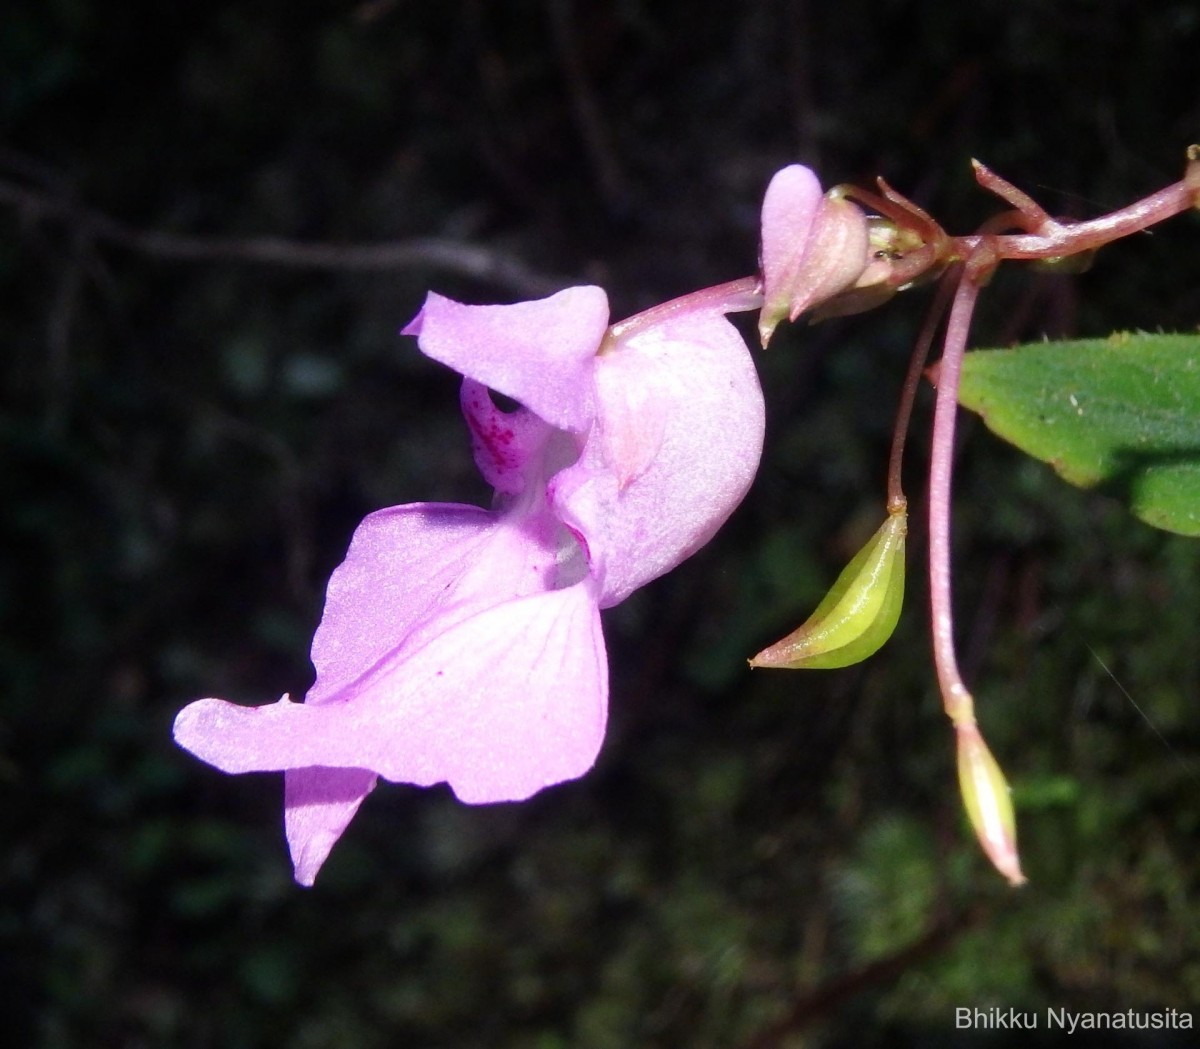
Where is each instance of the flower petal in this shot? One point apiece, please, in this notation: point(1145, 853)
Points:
point(634, 416)
point(539, 353)
point(415, 570)
point(509, 701)
point(318, 805)
point(790, 208)
point(514, 451)
point(700, 393)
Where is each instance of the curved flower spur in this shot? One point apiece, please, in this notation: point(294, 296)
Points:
point(463, 645)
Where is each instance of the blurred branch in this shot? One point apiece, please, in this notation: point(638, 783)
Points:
point(434, 253)
point(60, 321)
point(823, 1000)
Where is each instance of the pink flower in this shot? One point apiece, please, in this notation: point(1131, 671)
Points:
point(463, 645)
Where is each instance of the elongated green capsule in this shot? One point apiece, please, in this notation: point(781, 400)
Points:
point(857, 615)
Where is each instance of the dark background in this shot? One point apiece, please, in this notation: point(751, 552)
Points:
point(188, 437)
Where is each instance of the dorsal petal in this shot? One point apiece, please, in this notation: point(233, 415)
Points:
point(539, 353)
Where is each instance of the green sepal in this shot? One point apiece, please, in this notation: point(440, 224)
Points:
point(857, 615)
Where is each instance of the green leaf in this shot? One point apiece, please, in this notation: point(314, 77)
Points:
point(1121, 414)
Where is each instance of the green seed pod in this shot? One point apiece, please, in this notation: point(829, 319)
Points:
point(857, 615)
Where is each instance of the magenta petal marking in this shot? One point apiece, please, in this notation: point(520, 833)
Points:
point(538, 353)
point(508, 446)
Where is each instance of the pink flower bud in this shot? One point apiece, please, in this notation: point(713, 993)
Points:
point(814, 245)
point(988, 801)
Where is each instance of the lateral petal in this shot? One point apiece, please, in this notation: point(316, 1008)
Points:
point(417, 569)
point(509, 701)
point(318, 805)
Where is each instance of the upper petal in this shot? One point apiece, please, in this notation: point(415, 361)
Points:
point(539, 353)
point(645, 497)
point(509, 701)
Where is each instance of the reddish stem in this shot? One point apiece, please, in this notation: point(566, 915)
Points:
point(1046, 239)
point(1056, 239)
point(735, 296)
point(957, 700)
point(1033, 215)
point(908, 393)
